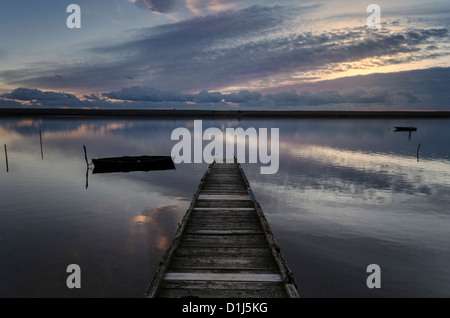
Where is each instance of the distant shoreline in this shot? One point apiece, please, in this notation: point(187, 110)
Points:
point(174, 113)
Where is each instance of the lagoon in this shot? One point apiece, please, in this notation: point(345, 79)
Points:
point(348, 193)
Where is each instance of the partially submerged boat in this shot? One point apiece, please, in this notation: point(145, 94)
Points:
point(127, 164)
point(405, 128)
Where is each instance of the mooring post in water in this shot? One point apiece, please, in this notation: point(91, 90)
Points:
point(42, 152)
point(6, 156)
point(418, 148)
point(85, 155)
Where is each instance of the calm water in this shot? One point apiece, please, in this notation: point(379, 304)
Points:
point(348, 193)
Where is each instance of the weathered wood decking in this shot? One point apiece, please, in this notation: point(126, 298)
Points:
point(224, 246)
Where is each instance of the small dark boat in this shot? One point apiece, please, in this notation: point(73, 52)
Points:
point(405, 128)
point(127, 164)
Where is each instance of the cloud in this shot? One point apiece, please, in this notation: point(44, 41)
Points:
point(153, 95)
point(192, 6)
point(10, 104)
point(148, 94)
point(234, 48)
point(188, 55)
point(147, 97)
point(245, 97)
point(155, 5)
point(292, 98)
point(38, 98)
point(418, 89)
point(132, 97)
point(208, 97)
point(92, 97)
point(26, 94)
point(248, 47)
point(359, 95)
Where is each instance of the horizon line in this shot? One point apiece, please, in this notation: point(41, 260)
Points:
point(91, 112)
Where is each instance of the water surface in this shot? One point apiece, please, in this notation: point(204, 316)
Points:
point(348, 193)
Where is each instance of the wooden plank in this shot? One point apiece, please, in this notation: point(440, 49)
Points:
point(221, 181)
point(192, 230)
point(224, 285)
point(223, 197)
point(222, 251)
point(223, 176)
point(223, 214)
point(218, 221)
point(224, 204)
point(217, 171)
point(224, 172)
point(220, 177)
point(219, 217)
point(224, 277)
point(224, 240)
point(225, 209)
point(221, 190)
point(224, 270)
point(223, 187)
point(227, 224)
point(176, 289)
point(216, 262)
point(234, 223)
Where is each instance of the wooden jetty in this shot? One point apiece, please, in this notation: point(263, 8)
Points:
point(224, 247)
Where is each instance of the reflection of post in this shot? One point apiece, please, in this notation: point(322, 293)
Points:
point(42, 152)
point(87, 165)
point(418, 148)
point(6, 156)
point(87, 176)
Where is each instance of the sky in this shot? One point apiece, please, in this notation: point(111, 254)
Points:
point(226, 54)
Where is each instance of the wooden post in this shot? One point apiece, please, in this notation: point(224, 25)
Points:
point(6, 156)
point(418, 148)
point(85, 155)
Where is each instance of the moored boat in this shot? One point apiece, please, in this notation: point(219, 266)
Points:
point(127, 164)
point(405, 128)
